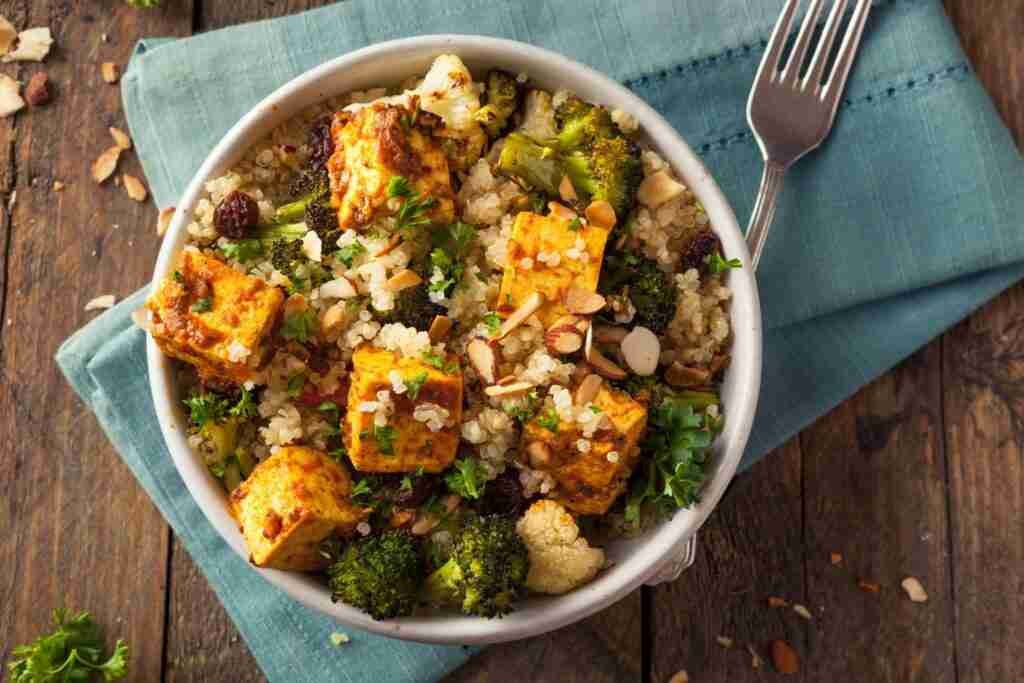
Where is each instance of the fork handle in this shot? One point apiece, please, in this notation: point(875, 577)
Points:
point(764, 210)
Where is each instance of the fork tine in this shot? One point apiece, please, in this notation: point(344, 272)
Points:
point(803, 40)
point(847, 53)
point(773, 53)
point(828, 37)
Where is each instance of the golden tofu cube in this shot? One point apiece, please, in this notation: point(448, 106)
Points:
point(210, 315)
point(374, 145)
point(291, 502)
point(579, 248)
point(405, 444)
point(588, 483)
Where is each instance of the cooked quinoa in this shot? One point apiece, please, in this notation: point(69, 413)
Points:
point(522, 399)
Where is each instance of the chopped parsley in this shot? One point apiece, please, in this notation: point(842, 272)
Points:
point(466, 478)
point(412, 214)
point(296, 383)
point(207, 407)
point(242, 251)
point(246, 406)
point(348, 253)
point(384, 436)
point(492, 321)
point(575, 225)
point(204, 305)
point(414, 384)
point(451, 246)
point(523, 410)
point(406, 484)
point(436, 360)
point(72, 652)
point(362, 491)
point(178, 277)
point(299, 326)
point(717, 264)
point(328, 407)
point(338, 454)
point(549, 420)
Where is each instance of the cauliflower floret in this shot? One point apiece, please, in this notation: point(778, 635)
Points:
point(538, 116)
point(448, 91)
point(560, 560)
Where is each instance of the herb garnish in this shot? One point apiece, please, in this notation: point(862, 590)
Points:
point(716, 264)
point(466, 478)
point(412, 214)
point(492, 321)
point(73, 652)
point(549, 420)
point(348, 253)
point(242, 251)
point(414, 384)
point(438, 361)
point(299, 326)
point(204, 305)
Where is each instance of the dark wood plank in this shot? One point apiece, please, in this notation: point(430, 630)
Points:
point(749, 550)
point(875, 491)
point(78, 530)
point(984, 412)
point(216, 14)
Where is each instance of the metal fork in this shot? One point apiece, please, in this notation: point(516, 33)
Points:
point(790, 115)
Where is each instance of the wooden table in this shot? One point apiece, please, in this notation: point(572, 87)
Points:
point(920, 474)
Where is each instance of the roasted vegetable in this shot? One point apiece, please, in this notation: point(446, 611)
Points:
point(378, 574)
point(413, 308)
point(502, 97)
point(651, 290)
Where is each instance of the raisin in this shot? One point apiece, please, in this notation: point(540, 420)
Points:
point(700, 246)
point(321, 144)
point(423, 487)
point(235, 215)
point(502, 496)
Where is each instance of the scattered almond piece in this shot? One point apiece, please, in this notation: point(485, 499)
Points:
point(8, 34)
point(481, 355)
point(58, 186)
point(10, 100)
point(566, 191)
point(440, 328)
point(835, 558)
point(519, 316)
point(601, 214)
point(33, 45)
point(755, 659)
point(658, 188)
point(784, 657)
point(774, 601)
point(163, 221)
point(802, 611)
point(105, 164)
point(134, 187)
point(604, 366)
point(121, 138)
point(338, 288)
point(680, 677)
point(563, 336)
point(403, 279)
point(683, 376)
point(507, 390)
point(583, 302)
point(37, 92)
point(724, 641)
point(587, 390)
point(562, 211)
point(915, 591)
point(100, 302)
point(641, 350)
point(869, 586)
point(334, 317)
point(110, 72)
point(392, 243)
point(608, 334)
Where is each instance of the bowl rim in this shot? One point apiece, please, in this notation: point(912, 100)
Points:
point(665, 541)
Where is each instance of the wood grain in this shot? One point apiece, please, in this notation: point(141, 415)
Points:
point(78, 530)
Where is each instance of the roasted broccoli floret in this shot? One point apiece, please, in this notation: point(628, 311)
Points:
point(608, 169)
point(413, 308)
point(378, 574)
point(503, 95)
point(486, 572)
point(312, 206)
point(650, 289)
point(581, 124)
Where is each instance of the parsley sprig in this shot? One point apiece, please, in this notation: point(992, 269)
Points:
point(716, 264)
point(466, 478)
point(451, 247)
point(300, 326)
point(412, 215)
point(73, 652)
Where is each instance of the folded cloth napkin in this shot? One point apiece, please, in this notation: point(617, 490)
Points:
point(903, 222)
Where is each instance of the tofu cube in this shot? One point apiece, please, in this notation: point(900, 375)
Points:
point(406, 443)
point(213, 317)
point(291, 502)
point(588, 482)
point(578, 247)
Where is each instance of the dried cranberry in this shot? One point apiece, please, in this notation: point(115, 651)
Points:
point(321, 144)
point(700, 246)
point(502, 496)
point(236, 214)
point(423, 487)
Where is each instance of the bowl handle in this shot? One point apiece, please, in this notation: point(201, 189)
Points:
point(680, 560)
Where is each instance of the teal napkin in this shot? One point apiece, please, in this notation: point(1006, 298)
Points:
point(902, 223)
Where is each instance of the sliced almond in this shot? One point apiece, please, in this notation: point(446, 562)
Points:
point(121, 138)
point(424, 525)
point(566, 191)
point(296, 303)
point(539, 454)
point(400, 518)
point(835, 558)
point(10, 99)
point(683, 376)
point(563, 341)
point(680, 677)
point(392, 244)
point(601, 214)
point(915, 591)
point(609, 334)
point(603, 366)
point(100, 302)
point(111, 72)
point(724, 641)
point(163, 221)
point(506, 390)
point(134, 187)
point(587, 390)
point(338, 288)
point(33, 45)
point(334, 317)
point(440, 328)
point(7, 36)
point(484, 361)
point(641, 350)
point(105, 164)
point(530, 306)
point(403, 279)
point(775, 601)
point(802, 611)
point(869, 586)
point(784, 657)
point(583, 302)
point(562, 211)
point(658, 188)
point(58, 186)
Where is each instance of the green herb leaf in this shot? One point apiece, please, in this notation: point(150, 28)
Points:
point(204, 305)
point(385, 437)
point(348, 253)
point(493, 322)
point(72, 652)
point(178, 277)
point(362, 492)
point(414, 384)
point(246, 406)
point(466, 478)
point(399, 186)
point(412, 214)
point(300, 326)
point(575, 225)
point(296, 383)
point(242, 251)
point(717, 264)
point(328, 407)
point(207, 407)
point(549, 420)
point(523, 409)
point(438, 361)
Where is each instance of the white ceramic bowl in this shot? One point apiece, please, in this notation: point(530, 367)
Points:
point(635, 560)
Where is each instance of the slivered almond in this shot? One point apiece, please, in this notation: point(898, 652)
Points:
point(440, 328)
point(658, 188)
point(608, 334)
point(683, 376)
point(641, 350)
point(334, 317)
point(539, 453)
point(163, 221)
point(587, 390)
point(519, 316)
point(601, 214)
point(105, 164)
point(914, 590)
point(603, 366)
point(392, 244)
point(564, 336)
point(110, 72)
point(562, 211)
point(566, 191)
point(121, 138)
point(481, 355)
point(134, 187)
point(583, 302)
point(510, 389)
point(403, 279)
point(400, 518)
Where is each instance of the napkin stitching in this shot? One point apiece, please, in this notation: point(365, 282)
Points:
point(930, 80)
